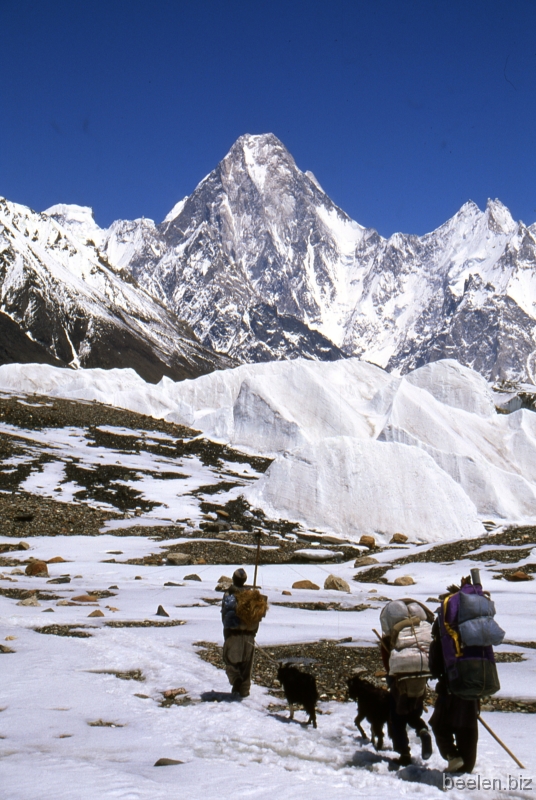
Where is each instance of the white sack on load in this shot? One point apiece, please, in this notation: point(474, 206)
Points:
point(409, 660)
point(355, 487)
point(420, 635)
point(396, 611)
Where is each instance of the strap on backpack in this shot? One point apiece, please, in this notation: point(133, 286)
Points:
point(451, 632)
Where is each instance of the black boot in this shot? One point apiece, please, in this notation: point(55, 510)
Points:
point(426, 743)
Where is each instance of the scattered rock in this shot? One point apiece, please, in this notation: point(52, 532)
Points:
point(113, 587)
point(57, 560)
point(223, 583)
point(61, 579)
point(96, 613)
point(17, 572)
point(4, 649)
point(10, 638)
point(24, 546)
point(398, 538)
point(305, 585)
point(138, 578)
point(112, 608)
point(332, 540)
point(336, 583)
point(178, 559)
point(100, 723)
point(170, 583)
point(404, 580)
point(221, 513)
point(433, 600)
point(519, 576)
point(167, 762)
point(161, 612)
point(221, 536)
point(85, 598)
point(365, 561)
point(192, 577)
point(38, 569)
point(29, 601)
point(287, 593)
point(367, 541)
point(174, 692)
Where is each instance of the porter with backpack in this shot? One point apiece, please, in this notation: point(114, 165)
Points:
point(407, 628)
point(461, 657)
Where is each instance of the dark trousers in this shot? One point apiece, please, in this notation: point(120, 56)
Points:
point(455, 726)
point(238, 652)
point(404, 711)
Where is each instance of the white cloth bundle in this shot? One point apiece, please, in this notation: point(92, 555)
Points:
point(419, 636)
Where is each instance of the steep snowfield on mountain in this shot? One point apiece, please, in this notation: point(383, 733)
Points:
point(67, 302)
point(258, 241)
point(356, 448)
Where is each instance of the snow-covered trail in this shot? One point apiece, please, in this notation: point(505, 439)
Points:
point(53, 686)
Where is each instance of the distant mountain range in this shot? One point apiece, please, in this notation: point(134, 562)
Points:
point(258, 264)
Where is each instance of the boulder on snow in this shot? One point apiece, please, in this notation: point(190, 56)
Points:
point(520, 575)
point(305, 585)
point(178, 559)
point(223, 583)
point(365, 561)
point(38, 569)
point(29, 601)
point(336, 583)
point(403, 580)
point(161, 612)
point(367, 541)
point(398, 538)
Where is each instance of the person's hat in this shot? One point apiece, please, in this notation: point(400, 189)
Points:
point(239, 577)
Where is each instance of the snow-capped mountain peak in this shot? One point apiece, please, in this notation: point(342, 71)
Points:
point(79, 220)
point(264, 266)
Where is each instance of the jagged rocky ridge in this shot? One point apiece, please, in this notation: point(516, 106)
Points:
point(62, 303)
point(259, 243)
point(263, 266)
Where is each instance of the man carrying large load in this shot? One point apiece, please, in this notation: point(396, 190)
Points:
point(407, 630)
point(242, 609)
point(461, 657)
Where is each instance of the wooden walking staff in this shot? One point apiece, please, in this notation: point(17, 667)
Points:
point(487, 727)
point(381, 641)
point(258, 534)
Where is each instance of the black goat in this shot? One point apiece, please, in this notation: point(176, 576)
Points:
point(300, 689)
point(372, 705)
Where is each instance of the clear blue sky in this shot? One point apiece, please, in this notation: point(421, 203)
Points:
point(403, 110)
